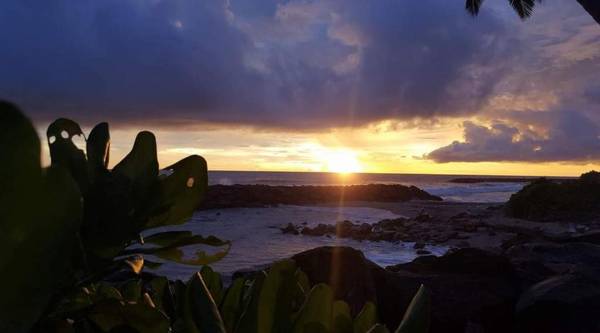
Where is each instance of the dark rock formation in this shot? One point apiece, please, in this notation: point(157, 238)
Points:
point(223, 196)
point(535, 262)
point(545, 200)
point(469, 287)
point(345, 269)
point(563, 303)
point(421, 228)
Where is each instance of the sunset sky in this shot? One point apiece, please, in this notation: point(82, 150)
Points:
point(333, 85)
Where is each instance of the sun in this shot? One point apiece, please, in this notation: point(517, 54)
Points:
point(343, 162)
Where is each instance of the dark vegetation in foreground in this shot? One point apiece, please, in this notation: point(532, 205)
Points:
point(227, 196)
point(68, 266)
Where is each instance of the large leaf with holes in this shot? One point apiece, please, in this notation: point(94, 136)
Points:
point(64, 153)
point(417, 317)
point(199, 257)
point(315, 314)
point(366, 318)
point(201, 313)
point(182, 188)
point(171, 244)
point(98, 151)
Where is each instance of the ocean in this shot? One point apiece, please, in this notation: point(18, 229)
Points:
point(257, 240)
point(435, 184)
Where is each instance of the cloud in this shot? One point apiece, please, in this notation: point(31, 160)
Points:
point(297, 64)
point(571, 136)
point(294, 64)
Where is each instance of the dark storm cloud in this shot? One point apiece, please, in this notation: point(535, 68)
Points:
point(571, 136)
point(296, 65)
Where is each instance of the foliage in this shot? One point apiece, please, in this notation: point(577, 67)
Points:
point(523, 8)
point(40, 213)
point(276, 300)
point(134, 196)
point(68, 222)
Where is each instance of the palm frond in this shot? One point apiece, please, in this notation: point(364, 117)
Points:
point(524, 8)
point(473, 6)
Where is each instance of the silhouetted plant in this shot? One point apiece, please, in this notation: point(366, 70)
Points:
point(523, 8)
point(63, 224)
point(277, 300)
point(134, 196)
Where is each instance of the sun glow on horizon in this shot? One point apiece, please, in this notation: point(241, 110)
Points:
point(343, 162)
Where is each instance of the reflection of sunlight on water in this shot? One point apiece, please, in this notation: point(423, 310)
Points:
point(257, 241)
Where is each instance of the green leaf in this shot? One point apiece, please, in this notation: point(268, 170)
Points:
point(366, 318)
point(303, 282)
point(98, 150)
point(132, 291)
point(276, 298)
point(138, 316)
point(106, 291)
point(64, 153)
point(201, 314)
point(44, 240)
point(140, 170)
point(160, 291)
point(248, 322)
point(20, 169)
point(378, 328)
point(231, 306)
point(341, 318)
point(417, 316)
point(181, 190)
point(213, 282)
point(316, 311)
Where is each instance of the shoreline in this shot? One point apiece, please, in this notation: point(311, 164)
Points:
point(479, 225)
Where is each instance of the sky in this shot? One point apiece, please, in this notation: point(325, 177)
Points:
point(387, 86)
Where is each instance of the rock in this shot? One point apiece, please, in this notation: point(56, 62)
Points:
point(463, 244)
point(418, 245)
point(549, 200)
point(563, 303)
point(423, 252)
point(344, 229)
point(227, 196)
point(345, 269)
point(319, 230)
point(586, 237)
point(290, 229)
point(470, 288)
point(534, 262)
point(422, 217)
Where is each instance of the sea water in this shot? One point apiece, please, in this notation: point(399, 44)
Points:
point(435, 184)
point(257, 240)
